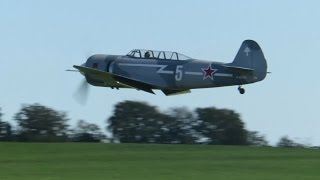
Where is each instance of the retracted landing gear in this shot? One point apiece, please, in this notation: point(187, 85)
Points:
point(241, 90)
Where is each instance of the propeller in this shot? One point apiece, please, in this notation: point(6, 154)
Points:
point(81, 95)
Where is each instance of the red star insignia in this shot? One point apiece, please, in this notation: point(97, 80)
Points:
point(208, 72)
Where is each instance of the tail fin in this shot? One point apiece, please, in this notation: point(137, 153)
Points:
point(251, 56)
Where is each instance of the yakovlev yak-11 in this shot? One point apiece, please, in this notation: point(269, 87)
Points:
point(174, 73)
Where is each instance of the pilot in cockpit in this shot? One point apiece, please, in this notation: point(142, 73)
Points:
point(147, 54)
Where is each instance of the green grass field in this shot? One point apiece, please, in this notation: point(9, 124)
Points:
point(72, 161)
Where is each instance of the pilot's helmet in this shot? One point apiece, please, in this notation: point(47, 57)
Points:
point(147, 54)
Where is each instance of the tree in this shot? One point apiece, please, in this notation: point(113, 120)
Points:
point(5, 129)
point(138, 122)
point(221, 126)
point(255, 139)
point(182, 127)
point(87, 132)
point(40, 123)
point(286, 142)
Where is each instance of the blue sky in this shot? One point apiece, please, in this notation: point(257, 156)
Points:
point(40, 39)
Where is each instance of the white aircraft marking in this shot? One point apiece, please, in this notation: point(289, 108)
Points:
point(247, 51)
point(223, 75)
point(215, 74)
point(160, 71)
point(193, 73)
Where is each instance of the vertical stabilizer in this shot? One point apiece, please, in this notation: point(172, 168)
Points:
point(251, 56)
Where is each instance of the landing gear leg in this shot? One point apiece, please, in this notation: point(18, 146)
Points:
point(241, 90)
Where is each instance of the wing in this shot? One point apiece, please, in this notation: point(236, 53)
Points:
point(168, 92)
point(110, 78)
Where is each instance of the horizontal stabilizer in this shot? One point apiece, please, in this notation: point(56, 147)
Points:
point(240, 70)
point(175, 92)
point(109, 77)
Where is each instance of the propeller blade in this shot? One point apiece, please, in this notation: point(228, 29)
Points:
point(81, 95)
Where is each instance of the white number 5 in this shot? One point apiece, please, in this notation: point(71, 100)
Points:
point(178, 76)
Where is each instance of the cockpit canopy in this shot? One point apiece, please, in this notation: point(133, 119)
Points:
point(151, 54)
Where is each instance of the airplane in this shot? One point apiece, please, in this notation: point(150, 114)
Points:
point(173, 73)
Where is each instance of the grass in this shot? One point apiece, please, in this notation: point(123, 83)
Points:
point(73, 161)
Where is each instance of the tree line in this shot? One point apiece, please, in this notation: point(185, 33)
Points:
point(136, 122)
point(38, 123)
